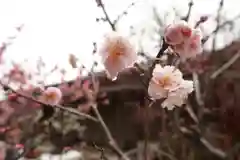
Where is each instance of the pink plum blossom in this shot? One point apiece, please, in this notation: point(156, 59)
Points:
point(183, 39)
point(178, 32)
point(117, 53)
point(191, 47)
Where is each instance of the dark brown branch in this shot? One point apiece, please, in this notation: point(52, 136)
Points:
point(123, 13)
point(190, 5)
point(218, 23)
point(225, 66)
point(111, 140)
point(101, 5)
point(160, 53)
point(219, 27)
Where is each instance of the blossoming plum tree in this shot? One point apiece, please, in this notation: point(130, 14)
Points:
point(165, 81)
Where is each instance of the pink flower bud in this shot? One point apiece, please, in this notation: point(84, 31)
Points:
point(19, 146)
point(12, 97)
point(52, 95)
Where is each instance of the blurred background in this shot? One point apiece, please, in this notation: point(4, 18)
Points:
point(54, 43)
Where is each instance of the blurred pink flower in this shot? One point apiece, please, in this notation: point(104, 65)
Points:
point(117, 53)
point(6, 111)
point(3, 129)
point(17, 75)
point(52, 95)
point(19, 146)
point(12, 97)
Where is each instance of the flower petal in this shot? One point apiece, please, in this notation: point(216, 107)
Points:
point(155, 91)
point(113, 68)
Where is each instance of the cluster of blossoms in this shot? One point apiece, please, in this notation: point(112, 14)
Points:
point(167, 82)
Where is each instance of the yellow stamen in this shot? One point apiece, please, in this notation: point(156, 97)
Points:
point(116, 50)
point(164, 81)
point(50, 96)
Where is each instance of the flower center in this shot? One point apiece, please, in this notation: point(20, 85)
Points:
point(164, 81)
point(116, 50)
point(187, 32)
point(51, 96)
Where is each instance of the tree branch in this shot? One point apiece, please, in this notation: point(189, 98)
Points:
point(101, 5)
point(204, 40)
point(110, 138)
point(123, 13)
point(56, 106)
point(226, 65)
point(190, 5)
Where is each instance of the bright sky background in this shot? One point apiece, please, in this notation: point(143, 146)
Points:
point(55, 28)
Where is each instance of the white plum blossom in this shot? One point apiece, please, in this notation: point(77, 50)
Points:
point(164, 79)
point(178, 96)
point(167, 82)
point(117, 53)
point(52, 95)
point(183, 39)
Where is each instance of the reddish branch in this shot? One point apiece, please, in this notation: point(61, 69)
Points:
point(72, 111)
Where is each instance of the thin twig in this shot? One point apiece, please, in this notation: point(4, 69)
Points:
point(213, 149)
point(204, 40)
point(146, 123)
point(161, 152)
point(101, 150)
point(191, 113)
point(198, 95)
point(218, 24)
point(216, 151)
point(110, 138)
point(53, 106)
point(101, 5)
point(225, 66)
point(123, 13)
point(160, 53)
point(190, 5)
point(197, 87)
